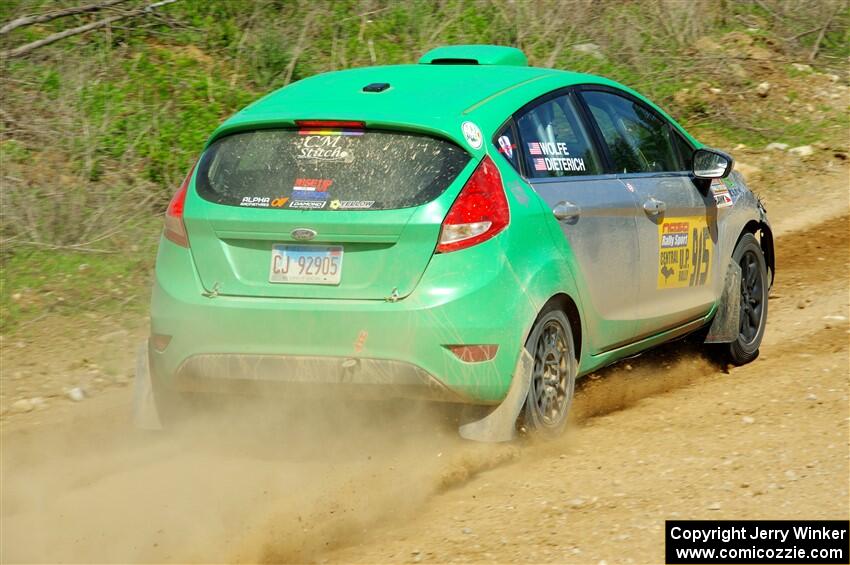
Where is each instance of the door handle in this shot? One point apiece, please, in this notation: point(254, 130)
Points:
point(565, 211)
point(653, 206)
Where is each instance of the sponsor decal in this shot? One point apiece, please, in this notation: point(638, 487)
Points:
point(472, 134)
point(324, 147)
point(317, 185)
point(735, 190)
point(674, 240)
point(723, 200)
point(722, 197)
point(307, 204)
point(685, 252)
point(351, 204)
point(255, 201)
point(506, 147)
point(279, 202)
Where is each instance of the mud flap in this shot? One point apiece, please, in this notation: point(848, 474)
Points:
point(500, 424)
point(727, 321)
point(145, 414)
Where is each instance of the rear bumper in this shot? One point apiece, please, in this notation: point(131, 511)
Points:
point(232, 343)
point(362, 377)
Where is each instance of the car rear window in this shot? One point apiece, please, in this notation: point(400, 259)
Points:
point(327, 169)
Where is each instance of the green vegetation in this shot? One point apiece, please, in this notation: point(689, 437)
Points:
point(98, 129)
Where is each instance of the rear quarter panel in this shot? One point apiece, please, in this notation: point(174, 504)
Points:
point(540, 268)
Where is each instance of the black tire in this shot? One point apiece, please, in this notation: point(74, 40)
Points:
point(553, 378)
point(754, 288)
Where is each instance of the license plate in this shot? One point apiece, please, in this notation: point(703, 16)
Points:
point(305, 264)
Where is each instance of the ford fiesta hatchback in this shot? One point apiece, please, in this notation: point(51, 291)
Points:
point(413, 229)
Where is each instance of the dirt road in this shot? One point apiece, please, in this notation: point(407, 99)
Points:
point(665, 435)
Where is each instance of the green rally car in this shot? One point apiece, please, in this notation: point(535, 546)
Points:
point(416, 230)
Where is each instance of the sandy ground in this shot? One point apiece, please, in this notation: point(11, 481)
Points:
point(669, 434)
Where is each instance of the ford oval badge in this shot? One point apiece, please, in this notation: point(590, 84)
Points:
point(303, 234)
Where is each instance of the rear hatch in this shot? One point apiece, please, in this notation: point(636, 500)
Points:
point(320, 212)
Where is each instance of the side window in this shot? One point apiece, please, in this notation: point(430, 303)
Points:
point(554, 141)
point(507, 146)
point(638, 140)
point(685, 152)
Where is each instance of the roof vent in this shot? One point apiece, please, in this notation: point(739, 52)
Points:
point(475, 55)
point(376, 87)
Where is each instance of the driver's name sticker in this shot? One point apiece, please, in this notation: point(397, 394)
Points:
point(553, 156)
point(685, 248)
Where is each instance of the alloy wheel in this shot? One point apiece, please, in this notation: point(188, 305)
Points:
point(752, 297)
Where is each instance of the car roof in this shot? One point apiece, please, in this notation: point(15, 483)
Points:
point(432, 98)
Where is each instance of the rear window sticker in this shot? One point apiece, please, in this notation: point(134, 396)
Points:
point(255, 201)
point(307, 204)
point(351, 204)
point(506, 147)
point(318, 185)
point(685, 248)
point(324, 147)
point(309, 195)
point(279, 202)
point(356, 204)
point(472, 134)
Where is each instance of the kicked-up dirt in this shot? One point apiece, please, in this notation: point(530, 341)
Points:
point(669, 434)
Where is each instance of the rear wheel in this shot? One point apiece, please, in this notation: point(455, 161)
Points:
point(553, 377)
point(753, 313)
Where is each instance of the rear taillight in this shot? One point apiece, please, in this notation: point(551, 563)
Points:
point(175, 229)
point(480, 211)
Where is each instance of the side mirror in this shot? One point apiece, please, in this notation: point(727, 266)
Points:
point(712, 164)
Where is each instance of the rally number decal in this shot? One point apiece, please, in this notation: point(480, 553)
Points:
point(685, 250)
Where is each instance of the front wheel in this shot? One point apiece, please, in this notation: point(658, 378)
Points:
point(753, 309)
point(553, 377)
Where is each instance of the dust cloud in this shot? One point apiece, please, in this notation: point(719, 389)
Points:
point(251, 480)
point(666, 368)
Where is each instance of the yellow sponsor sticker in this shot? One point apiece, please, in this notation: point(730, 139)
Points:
point(685, 250)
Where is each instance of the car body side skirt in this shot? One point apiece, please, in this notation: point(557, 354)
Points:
point(591, 363)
